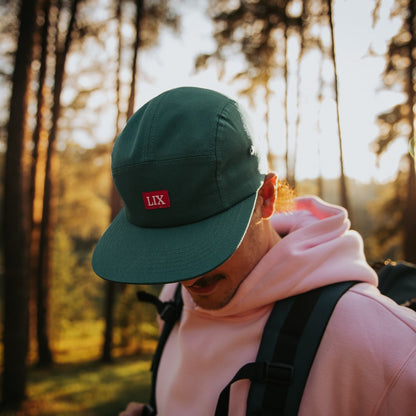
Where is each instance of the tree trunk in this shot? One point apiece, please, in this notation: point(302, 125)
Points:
point(298, 91)
point(136, 46)
point(409, 214)
point(409, 248)
point(110, 292)
point(40, 98)
point(342, 178)
point(16, 221)
point(286, 105)
point(320, 180)
point(37, 166)
point(46, 233)
point(116, 202)
point(267, 97)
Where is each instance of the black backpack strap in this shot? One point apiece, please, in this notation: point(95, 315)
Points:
point(170, 312)
point(289, 343)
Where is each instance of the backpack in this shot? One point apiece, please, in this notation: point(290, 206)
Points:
point(397, 280)
point(290, 340)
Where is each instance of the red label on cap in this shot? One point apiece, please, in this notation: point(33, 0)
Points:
point(156, 199)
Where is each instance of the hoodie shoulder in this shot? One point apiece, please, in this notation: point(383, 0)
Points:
point(368, 352)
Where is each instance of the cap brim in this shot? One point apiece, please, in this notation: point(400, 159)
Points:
point(130, 254)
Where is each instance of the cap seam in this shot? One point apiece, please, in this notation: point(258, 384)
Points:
point(150, 162)
point(152, 133)
point(219, 122)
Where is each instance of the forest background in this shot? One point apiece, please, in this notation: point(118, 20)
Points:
point(73, 71)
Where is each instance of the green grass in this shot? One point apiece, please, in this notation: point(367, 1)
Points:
point(93, 389)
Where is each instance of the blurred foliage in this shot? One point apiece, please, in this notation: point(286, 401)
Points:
point(398, 225)
point(89, 389)
point(387, 238)
point(259, 31)
point(77, 294)
point(84, 187)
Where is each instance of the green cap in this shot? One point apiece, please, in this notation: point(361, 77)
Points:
point(187, 171)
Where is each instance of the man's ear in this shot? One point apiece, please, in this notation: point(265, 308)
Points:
point(268, 193)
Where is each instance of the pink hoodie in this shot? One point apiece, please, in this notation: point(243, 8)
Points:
point(366, 364)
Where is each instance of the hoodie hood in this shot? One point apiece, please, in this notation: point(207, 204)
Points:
point(317, 248)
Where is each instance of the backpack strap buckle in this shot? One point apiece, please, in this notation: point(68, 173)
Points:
point(277, 373)
point(170, 312)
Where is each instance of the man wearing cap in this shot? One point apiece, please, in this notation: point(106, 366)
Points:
point(198, 210)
